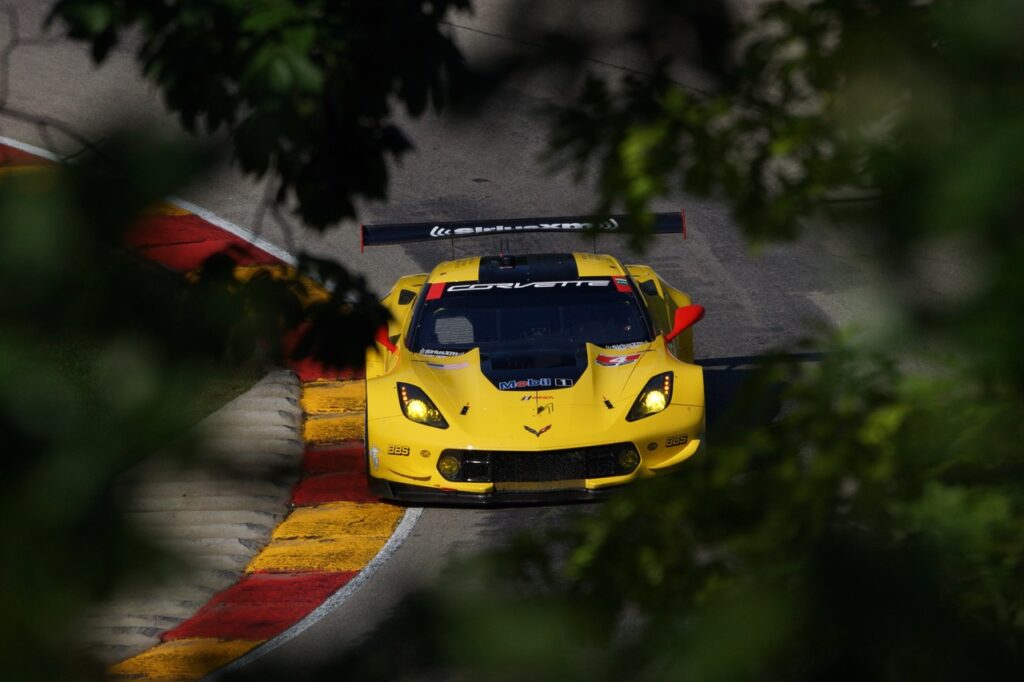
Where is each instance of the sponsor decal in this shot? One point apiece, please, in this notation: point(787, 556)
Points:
point(626, 346)
point(487, 286)
point(442, 353)
point(538, 432)
point(536, 397)
point(549, 408)
point(544, 382)
point(680, 439)
point(439, 232)
point(523, 383)
point(375, 458)
point(622, 285)
point(456, 365)
point(400, 450)
point(617, 360)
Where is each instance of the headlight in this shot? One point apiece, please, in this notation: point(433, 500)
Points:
point(417, 407)
point(449, 464)
point(655, 397)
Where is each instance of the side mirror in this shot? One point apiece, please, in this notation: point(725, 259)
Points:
point(382, 339)
point(686, 317)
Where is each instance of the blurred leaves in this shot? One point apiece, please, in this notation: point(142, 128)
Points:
point(307, 89)
point(106, 358)
point(850, 536)
point(90, 382)
point(868, 526)
point(819, 101)
point(867, 530)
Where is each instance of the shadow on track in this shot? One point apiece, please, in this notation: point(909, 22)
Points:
point(725, 380)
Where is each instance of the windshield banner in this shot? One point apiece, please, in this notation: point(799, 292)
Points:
point(400, 233)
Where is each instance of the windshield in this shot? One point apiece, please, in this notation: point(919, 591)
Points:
point(458, 316)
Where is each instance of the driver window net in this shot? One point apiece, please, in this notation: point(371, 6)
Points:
point(453, 330)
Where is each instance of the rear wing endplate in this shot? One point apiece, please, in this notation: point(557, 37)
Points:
point(402, 233)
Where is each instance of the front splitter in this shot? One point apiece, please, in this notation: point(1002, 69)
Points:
point(415, 494)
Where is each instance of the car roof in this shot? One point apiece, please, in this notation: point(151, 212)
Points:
point(527, 268)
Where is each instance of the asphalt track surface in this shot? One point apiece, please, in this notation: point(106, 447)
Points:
point(482, 167)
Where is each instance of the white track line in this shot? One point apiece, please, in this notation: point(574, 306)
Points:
point(31, 149)
point(402, 531)
point(404, 526)
point(208, 216)
point(241, 232)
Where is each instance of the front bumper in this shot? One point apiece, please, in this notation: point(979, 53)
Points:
point(415, 494)
point(436, 490)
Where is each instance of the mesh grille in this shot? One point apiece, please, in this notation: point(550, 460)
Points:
point(504, 466)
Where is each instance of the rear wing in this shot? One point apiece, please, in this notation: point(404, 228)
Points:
point(401, 233)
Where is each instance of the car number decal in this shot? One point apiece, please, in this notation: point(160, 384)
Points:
point(617, 360)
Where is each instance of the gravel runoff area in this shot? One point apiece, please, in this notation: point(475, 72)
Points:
point(215, 512)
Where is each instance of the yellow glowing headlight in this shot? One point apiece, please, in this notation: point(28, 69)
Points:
point(417, 407)
point(654, 401)
point(417, 410)
point(654, 397)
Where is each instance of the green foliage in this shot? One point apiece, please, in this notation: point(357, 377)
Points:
point(103, 358)
point(306, 88)
point(869, 531)
point(83, 392)
point(823, 100)
point(106, 359)
point(870, 528)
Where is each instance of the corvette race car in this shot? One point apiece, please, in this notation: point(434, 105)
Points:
point(532, 377)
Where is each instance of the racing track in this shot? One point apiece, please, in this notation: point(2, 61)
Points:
point(486, 166)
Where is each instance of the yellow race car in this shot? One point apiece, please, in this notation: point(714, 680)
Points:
point(529, 378)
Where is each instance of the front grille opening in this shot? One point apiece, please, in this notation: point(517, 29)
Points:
point(503, 466)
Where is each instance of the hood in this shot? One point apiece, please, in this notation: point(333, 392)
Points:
point(534, 369)
point(604, 383)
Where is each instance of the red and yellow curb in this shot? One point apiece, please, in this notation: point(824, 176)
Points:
point(169, 234)
point(184, 659)
point(335, 528)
